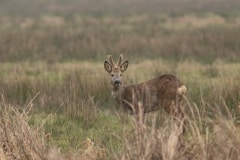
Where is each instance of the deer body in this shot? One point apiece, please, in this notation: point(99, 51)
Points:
point(165, 91)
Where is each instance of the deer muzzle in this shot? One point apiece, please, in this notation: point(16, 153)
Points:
point(117, 82)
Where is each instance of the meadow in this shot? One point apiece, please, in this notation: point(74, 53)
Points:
point(56, 96)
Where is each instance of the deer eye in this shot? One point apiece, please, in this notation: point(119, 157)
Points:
point(112, 75)
point(121, 75)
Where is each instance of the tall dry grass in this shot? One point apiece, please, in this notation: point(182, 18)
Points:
point(207, 137)
point(61, 45)
point(18, 139)
point(80, 108)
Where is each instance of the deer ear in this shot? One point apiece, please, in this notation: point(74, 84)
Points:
point(124, 66)
point(107, 66)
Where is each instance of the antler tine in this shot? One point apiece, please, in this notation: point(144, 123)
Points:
point(109, 58)
point(120, 59)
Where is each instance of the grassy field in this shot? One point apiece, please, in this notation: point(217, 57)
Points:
point(56, 96)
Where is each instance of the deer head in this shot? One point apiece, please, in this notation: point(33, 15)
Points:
point(115, 70)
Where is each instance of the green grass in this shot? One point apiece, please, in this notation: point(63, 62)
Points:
point(69, 133)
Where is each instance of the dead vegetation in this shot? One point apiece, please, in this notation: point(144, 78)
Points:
point(18, 140)
point(21, 141)
point(214, 138)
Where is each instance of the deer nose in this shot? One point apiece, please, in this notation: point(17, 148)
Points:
point(117, 82)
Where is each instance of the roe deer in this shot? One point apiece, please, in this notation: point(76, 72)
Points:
point(165, 91)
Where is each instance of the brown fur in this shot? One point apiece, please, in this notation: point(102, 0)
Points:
point(152, 95)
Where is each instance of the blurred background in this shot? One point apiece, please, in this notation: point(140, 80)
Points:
point(63, 30)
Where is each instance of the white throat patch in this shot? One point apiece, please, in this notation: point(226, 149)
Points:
point(113, 94)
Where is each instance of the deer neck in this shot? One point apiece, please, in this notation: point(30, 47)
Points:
point(117, 92)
